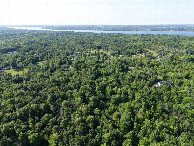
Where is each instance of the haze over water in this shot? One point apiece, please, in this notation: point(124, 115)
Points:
point(184, 33)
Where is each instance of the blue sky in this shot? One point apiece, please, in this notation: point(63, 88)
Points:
point(96, 12)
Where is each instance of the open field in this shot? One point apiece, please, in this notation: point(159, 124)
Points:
point(40, 63)
point(15, 72)
point(153, 52)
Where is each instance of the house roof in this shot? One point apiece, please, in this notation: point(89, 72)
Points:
point(162, 82)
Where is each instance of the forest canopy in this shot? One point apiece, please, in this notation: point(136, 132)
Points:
point(66, 88)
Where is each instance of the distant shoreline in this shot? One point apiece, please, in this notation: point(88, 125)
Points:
point(179, 27)
point(183, 33)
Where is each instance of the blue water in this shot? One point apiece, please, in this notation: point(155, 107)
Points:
point(184, 33)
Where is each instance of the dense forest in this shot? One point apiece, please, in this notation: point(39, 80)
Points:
point(66, 88)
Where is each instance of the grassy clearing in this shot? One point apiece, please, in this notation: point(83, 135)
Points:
point(40, 63)
point(153, 52)
point(17, 72)
point(160, 77)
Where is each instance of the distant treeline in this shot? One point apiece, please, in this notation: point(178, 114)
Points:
point(124, 27)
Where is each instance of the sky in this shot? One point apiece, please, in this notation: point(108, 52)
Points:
point(96, 12)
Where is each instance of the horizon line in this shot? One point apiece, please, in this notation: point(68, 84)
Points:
point(90, 24)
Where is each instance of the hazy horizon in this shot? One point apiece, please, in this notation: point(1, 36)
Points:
point(96, 12)
point(96, 25)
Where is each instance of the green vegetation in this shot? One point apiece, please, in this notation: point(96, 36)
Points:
point(40, 63)
point(14, 72)
point(153, 52)
point(65, 88)
point(100, 51)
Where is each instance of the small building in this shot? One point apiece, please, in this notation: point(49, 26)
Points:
point(78, 53)
point(109, 56)
point(9, 52)
point(72, 56)
point(161, 63)
point(163, 82)
point(8, 67)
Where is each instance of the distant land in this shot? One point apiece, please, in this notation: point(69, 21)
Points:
point(184, 27)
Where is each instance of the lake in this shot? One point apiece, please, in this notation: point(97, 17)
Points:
point(29, 28)
point(184, 33)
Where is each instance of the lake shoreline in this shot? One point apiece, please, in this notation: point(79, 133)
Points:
point(181, 33)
